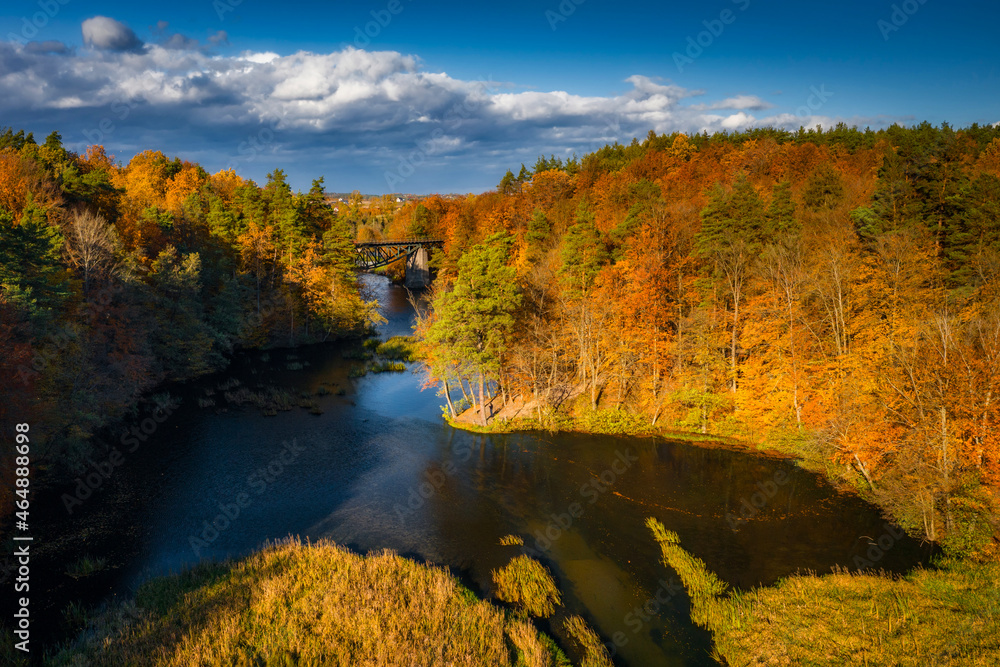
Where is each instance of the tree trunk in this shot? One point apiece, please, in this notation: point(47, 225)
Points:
point(732, 349)
point(482, 403)
point(447, 397)
point(864, 471)
point(795, 372)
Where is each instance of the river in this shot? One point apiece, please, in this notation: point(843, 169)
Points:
point(379, 468)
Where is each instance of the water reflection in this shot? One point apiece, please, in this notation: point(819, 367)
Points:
point(379, 469)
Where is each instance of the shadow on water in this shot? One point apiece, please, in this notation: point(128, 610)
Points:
point(379, 469)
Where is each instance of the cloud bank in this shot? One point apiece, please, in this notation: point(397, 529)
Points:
point(372, 110)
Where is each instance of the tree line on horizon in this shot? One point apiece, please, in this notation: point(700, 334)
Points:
point(832, 293)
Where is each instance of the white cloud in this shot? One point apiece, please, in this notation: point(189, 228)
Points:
point(365, 106)
point(108, 34)
point(260, 58)
point(738, 103)
point(737, 121)
point(353, 91)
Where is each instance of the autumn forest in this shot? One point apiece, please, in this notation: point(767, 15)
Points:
point(831, 295)
point(118, 278)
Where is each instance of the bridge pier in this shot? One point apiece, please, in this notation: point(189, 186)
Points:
point(418, 273)
point(372, 255)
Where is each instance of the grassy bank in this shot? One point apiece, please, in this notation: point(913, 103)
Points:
point(946, 616)
point(604, 422)
point(309, 604)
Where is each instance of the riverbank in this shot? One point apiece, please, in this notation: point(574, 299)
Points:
point(305, 604)
point(948, 615)
point(520, 416)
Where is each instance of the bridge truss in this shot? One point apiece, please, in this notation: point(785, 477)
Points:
point(376, 254)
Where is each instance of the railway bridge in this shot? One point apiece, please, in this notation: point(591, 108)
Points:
point(377, 254)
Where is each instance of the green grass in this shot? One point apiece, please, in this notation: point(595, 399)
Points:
point(605, 422)
point(356, 354)
point(390, 355)
point(86, 566)
point(398, 348)
point(309, 604)
point(388, 367)
point(947, 616)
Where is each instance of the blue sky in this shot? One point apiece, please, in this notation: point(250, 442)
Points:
point(443, 97)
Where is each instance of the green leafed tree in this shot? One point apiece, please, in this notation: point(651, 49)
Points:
point(475, 319)
point(824, 189)
point(780, 216)
point(508, 184)
point(538, 235)
point(31, 272)
point(732, 235)
point(583, 256)
point(181, 339)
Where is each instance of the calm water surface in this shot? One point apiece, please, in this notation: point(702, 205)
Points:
point(380, 469)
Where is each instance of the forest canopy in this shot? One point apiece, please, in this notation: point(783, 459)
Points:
point(833, 293)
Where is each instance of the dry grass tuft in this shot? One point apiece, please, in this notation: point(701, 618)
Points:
point(949, 616)
point(527, 583)
point(595, 653)
point(309, 604)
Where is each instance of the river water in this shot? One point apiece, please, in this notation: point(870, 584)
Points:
point(379, 468)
